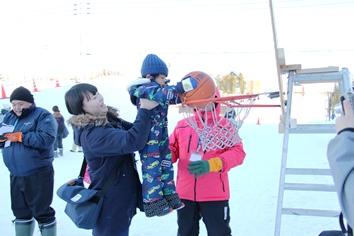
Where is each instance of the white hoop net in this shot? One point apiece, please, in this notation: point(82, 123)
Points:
point(223, 131)
point(242, 112)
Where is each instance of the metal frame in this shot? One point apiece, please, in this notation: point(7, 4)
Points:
point(343, 77)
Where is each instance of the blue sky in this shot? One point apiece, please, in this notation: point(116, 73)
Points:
point(43, 37)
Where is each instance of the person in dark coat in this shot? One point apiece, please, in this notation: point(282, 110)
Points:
point(106, 139)
point(6, 108)
point(28, 154)
point(58, 144)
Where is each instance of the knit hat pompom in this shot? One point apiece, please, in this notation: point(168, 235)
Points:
point(153, 65)
point(22, 94)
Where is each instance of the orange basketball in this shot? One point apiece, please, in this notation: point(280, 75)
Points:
point(205, 87)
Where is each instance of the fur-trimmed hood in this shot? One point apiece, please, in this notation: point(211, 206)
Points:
point(83, 120)
point(80, 122)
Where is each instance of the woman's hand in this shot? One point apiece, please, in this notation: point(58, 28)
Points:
point(147, 104)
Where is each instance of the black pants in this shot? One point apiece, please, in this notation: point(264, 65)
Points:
point(215, 215)
point(58, 141)
point(31, 196)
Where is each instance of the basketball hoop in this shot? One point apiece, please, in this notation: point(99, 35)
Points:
point(223, 132)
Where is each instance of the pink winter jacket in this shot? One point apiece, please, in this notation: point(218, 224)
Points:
point(213, 186)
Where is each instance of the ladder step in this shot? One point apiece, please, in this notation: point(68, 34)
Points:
point(313, 129)
point(309, 187)
point(328, 77)
point(307, 171)
point(310, 212)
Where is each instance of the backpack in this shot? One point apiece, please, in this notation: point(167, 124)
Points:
point(61, 124)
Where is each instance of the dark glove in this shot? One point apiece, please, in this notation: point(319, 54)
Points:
point(3, 138)
point(2, 141)
point(14, 137)
point(199, 168)
point(187, 84)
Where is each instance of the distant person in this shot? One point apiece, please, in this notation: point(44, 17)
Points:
point(74, 146)
point(107, 140)
point(6, 108)
point(333, 116)
point(28, 155)
point(202, 178)
point(159, 191)
point(230, 113)
point(340, 154)
point(58, 144)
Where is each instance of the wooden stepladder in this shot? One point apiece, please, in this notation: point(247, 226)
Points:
point(300, 77)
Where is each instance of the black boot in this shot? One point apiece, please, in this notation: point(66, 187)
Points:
point(174, 201)
point(156, 208)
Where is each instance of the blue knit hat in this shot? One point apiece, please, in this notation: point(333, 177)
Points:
point(153, 65)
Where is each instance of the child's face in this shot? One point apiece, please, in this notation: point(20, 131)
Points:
point(161, 80)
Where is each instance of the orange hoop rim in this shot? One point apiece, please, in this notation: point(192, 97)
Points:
point(231, 101)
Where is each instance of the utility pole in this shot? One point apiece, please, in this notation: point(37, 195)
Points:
point(80, 9)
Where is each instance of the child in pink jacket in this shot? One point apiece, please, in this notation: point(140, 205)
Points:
point(203, 185)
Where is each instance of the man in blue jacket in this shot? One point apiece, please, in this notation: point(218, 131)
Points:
point(28, 154)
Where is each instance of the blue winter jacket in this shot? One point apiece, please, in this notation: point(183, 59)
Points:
point(105, 140)
point(36, 150)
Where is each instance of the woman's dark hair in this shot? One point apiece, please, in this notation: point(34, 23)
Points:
point(74, 98)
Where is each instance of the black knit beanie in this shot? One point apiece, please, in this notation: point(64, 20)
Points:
point(55, 109)
point(22, 94)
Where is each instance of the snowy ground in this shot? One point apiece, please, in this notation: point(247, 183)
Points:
point(254, 185)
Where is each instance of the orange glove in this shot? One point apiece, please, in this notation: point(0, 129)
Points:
point(14, 137)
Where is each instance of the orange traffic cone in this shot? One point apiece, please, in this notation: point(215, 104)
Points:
point(34, 87)
point(3, 94)
point(76, 80)
point(258, 122)
point(57, 84)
